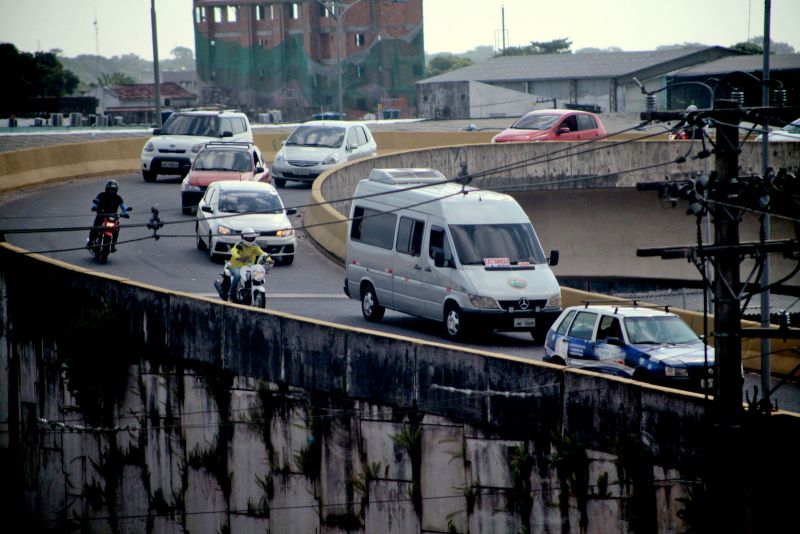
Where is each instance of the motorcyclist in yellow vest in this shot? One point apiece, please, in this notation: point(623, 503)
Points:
point(244, 252)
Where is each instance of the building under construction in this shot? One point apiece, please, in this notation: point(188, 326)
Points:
point(263, 55)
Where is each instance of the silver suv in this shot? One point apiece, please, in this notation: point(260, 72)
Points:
point(174, 146)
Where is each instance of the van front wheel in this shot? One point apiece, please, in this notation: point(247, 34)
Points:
point(372, 311)
point(454, 322)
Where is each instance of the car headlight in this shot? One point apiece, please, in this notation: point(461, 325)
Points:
point(554, 301)
point(279, 156)
point(330, 160)
point(286, 232)
point(148, 147)
point(196, 148)
point(224, 230)
point(676, 371)
point(483, 303)
point(189, 187)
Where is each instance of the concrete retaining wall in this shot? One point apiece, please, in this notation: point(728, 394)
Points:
point(133, 409)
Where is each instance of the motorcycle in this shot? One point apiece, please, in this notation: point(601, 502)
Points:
point(251, 290)
point(103, 242)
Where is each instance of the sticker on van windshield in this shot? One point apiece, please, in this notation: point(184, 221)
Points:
point(496, 262)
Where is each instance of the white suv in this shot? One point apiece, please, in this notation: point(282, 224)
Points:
point(174, 146)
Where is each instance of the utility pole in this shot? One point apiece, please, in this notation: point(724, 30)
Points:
point(766, 369)
point(155, 61)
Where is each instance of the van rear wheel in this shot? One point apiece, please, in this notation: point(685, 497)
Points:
point(372, 311)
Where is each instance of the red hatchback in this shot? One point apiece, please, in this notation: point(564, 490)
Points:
point(552, 125)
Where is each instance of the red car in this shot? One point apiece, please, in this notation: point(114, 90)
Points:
point(552, 125)
point(221, 161)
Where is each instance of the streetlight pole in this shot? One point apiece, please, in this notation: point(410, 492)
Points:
point(155, 61)
point(337, 11)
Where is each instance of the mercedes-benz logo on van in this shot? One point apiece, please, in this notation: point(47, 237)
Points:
point(523, 303)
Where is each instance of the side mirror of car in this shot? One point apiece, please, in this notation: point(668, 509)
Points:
point(156, 131)
point(615, 341)
point(351, 147)
point(227, 133)
point(260, 170)
point(553, 259)
point(207, 209)
point(291, 211)
point(563, 130)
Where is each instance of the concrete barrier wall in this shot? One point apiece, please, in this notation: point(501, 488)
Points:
point(131, 408)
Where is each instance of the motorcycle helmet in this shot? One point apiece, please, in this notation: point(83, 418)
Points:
point(112, 186)
point(249, 235)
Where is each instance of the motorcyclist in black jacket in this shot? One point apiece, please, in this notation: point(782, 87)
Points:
point(106, 203)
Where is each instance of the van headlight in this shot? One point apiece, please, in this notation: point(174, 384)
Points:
point(483, 303)
point(330, 160)
point(149, 147)
point(198, 147)
point(676, 371)
point(554, 301)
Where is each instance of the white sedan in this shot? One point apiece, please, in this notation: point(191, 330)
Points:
point(790, 132)
point(229, 206)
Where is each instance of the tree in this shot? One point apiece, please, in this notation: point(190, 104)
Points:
point(117, 78)
point(445, 63)
point(32, 75)
point(556, 46)
point(748, 48)
point(775, 47)
point(593, 50)
point(182, 59)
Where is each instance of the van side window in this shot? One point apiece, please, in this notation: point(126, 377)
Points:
point(409, 236)
point(373, 227)
point(438, 243)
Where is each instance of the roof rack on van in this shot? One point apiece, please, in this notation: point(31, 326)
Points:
point(618, 303)
point(406, 176)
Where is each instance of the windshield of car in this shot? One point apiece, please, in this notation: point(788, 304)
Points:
point(793, 127)
point(322, 136)
point(223, 160)
point(667, 329)
point(516, 242)
point(536, 121)
point(202, 125)
point(249, 202)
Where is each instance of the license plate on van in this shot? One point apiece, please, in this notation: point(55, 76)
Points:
point(169, 164)
point(524, 322)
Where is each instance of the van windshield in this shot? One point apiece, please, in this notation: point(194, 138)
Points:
point(475, 243)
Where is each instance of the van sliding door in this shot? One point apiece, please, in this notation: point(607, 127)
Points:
point(408, 265)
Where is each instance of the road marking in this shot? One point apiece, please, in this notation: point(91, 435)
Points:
point(290, 295)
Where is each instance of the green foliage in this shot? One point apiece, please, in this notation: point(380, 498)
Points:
point(117, 78)
point(748, 48)
point(27, 75)
point(445, 63)
point(556, 46)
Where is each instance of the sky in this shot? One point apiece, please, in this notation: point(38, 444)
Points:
point(123, 26)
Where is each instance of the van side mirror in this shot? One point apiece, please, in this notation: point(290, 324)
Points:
point(207, 209)
point(553, 259)
point(438, 259)
point(291, 211)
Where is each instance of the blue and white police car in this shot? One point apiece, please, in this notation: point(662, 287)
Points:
point(632, 341)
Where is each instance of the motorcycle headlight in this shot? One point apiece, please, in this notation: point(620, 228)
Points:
point(676, 371)
point(483, 303)
point(224, 230)
point(554, 301)
point(330, 160)
point(196, 148)
point(258, 276)
point(149, 147)
point(286, 232)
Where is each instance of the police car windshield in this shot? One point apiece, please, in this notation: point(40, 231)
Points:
point(190, 125)
point(516, 242)
point(659, 330)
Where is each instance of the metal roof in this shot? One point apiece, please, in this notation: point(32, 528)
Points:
point(564, 66)
point(750, 63)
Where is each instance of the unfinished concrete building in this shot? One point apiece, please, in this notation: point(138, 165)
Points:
point(259, 55)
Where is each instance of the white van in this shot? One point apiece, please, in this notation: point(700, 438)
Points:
point(464, 256)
